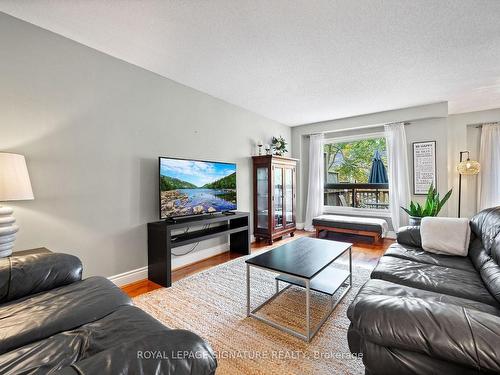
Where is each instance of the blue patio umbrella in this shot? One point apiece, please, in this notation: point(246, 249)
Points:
point(378, 173)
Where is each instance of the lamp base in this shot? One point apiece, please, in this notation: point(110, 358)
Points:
point(8, 230)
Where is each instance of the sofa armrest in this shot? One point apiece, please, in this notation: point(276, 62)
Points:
point(444, 331)
point(409, 236)
point(24, 275)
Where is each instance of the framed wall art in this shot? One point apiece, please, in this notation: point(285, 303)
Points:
point(424, 166)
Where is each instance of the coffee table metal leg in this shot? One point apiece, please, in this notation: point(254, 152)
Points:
point(350, 266)
point(277, 286)
point(308, 310)
point(248, 289)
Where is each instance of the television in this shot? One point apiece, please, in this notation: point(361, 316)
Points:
point(193, 187)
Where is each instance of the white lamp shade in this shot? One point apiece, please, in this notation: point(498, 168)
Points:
point(15, 182)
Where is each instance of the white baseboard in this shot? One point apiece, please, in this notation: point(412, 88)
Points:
point(130, 277)
point(178, 262)
point(138, 274)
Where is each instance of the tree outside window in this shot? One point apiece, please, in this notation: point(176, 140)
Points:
point(347, 173)
point(351, 162)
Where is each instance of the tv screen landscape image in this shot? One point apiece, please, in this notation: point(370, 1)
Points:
point(193, 187)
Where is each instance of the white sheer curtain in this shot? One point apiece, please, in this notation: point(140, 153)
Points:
point(489, 158)
point(399, 185)
point(314, 205)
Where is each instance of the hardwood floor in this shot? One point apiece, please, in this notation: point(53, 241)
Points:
point(363, 253)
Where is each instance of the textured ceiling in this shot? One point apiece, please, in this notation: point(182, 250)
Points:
point(297, 61)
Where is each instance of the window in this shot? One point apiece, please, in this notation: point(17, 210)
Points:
point(356, 173)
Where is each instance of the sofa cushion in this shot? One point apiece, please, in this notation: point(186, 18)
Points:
point(180, 353)
point(387, 288)
point(486, 226)
point(409, 236)
point(116, 330)
point(422, 256)
point(465, 337)
point(451, 281)
point(42, 315)
point(484, 251)
point(490, 273)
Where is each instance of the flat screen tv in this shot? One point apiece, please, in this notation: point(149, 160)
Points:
point(193, 187)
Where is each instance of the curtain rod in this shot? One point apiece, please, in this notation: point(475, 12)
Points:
point(479, 125)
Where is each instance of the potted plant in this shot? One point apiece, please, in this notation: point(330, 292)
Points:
point(431, 207)
point(279, 146)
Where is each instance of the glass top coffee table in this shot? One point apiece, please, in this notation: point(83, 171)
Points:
point(305, 263)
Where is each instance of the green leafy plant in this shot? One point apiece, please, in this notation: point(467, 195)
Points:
point(432, 204)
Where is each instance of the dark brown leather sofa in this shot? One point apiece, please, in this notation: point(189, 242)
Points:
point(423, 313)
point(53, 322)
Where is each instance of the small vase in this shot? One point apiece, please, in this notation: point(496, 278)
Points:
point(415, 221)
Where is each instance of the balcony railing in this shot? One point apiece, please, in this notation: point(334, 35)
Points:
point(372, 196)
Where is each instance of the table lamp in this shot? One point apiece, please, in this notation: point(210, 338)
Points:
point(15, 185)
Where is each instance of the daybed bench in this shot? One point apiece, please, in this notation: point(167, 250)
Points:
point(362, 226)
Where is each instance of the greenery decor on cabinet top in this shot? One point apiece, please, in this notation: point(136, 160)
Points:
point(279, 146)
point(432, 204)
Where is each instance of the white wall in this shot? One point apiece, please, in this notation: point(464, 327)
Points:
point(92, 127)
point(463, 136)
point(427, 123)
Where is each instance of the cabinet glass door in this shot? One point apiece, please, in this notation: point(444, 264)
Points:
point(278, 197)
point(262, 197)
point(289, 196)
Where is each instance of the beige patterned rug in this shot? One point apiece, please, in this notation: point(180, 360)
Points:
point(212, 303)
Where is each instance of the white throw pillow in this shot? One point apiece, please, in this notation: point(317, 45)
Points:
point(445, 235)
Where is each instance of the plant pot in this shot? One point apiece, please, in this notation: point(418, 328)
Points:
point(415, 221)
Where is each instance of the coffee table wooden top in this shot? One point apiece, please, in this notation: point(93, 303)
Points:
point(305, 257)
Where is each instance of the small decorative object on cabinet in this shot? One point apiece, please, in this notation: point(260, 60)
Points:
point(259, 147)
point(274, 186)
point(279, 146)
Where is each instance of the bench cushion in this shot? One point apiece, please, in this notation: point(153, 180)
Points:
point(367, 224)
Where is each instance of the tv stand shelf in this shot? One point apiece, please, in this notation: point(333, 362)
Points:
point(161, 240)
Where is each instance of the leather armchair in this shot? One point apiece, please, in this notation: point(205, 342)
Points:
point(53, 321)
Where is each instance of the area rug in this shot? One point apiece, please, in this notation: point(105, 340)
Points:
point(212, 304)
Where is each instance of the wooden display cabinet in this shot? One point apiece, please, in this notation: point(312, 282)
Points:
point(274, 198)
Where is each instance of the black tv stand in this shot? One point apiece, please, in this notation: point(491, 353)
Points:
point(161, 240)
point(194, 218)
